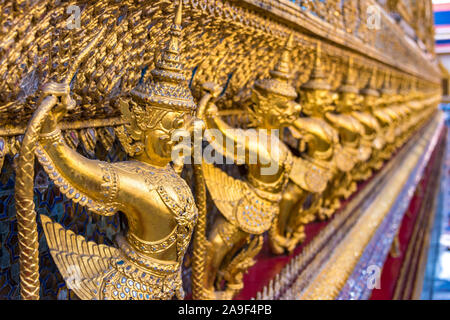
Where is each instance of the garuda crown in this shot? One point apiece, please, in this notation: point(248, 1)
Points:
point(278, 83)
point(349, 84)
point(167, 88)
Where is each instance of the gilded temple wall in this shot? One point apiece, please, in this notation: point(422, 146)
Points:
point(234, 44)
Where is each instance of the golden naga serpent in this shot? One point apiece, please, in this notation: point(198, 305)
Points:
point(24, 187)
point(200, 241)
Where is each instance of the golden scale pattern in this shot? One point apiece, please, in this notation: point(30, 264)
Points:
point(246, 48)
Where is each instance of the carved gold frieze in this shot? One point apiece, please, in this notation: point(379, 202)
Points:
point(342, 92)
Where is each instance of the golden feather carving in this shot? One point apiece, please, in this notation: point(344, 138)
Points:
point(78, 259)
point(225, 191)
point(241, 204)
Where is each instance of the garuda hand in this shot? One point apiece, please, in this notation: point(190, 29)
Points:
point(63, 103)
point(205, 107)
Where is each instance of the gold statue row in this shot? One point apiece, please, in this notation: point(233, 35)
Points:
point(344, 136)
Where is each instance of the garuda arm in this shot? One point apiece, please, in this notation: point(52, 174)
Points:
point(386, 122)
point(91, 183)
point(319, 134)
point(25, 213)
point(227, 140)
point(368, 121)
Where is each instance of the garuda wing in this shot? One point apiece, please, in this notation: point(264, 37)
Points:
point(244, 206)
point(309, 176)
point(82, 263)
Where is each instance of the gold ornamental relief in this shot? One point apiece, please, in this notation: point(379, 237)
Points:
point(329, 107)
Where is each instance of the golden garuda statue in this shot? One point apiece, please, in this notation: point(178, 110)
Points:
point(311, 172)
point(157, 202)
point(373, 137)
point(331, 143)
point(385, 116)
point(350, 133)
point(249, 206)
